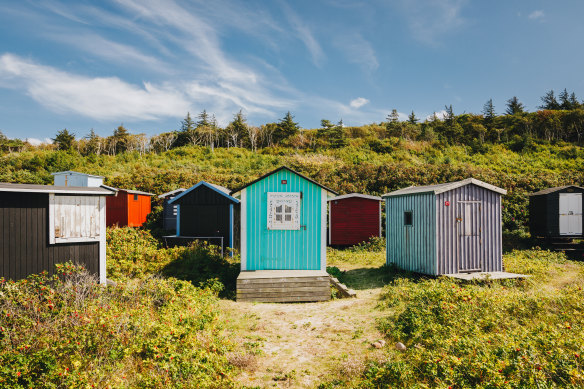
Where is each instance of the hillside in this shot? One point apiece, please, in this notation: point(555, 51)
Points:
point(365, 165)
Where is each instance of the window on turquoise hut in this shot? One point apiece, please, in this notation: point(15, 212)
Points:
point(408, 218)
point(283, 210)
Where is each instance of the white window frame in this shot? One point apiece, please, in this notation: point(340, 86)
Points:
point(278, 204)
point(88, 232)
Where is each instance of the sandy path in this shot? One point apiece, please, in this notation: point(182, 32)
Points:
point(300, 345)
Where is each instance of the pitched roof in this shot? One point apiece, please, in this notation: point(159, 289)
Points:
point(277, 170)
point(217, 188)
point(441, 188)
point(76, 173)
point(32, 188)
point(131, 191)
point(167, 194)
point(359, 195)
point(554, 189)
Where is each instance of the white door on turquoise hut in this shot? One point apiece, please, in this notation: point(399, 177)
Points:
point(570, 213)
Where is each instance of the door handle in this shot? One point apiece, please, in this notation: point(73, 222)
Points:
point(303, 227)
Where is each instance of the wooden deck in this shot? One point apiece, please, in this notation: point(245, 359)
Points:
point(495, 275)
point(283, 286)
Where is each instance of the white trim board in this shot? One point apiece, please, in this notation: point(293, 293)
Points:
point(323, 213)
point(243, 229)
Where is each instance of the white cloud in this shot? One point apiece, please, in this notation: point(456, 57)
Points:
point(305, 35)
point(440, 115)
point(358, 50)
point(358, 102)
point(37, 142)
point(98, 98)
point(536, 15)
point(429, 20)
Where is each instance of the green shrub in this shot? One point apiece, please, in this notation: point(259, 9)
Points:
point(486, 334)
point(67, 331)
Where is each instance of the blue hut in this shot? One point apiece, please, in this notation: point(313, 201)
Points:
point(205, 212)
point(283, 238)
point(447, 228)
point(169, 211)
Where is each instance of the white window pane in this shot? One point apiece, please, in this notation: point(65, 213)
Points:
point(288, 209)
point(278, 218)
point(288, 218)
point(279, 209)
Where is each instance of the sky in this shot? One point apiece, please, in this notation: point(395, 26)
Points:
point(85, 65)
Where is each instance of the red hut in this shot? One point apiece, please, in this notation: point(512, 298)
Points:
point(127, 208)
point(354, 218)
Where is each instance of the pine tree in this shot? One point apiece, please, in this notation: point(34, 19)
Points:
point(64, 140)
point(187, 123)
point(489, 113)
point(412, 118)
point(287, 128)
point(203, 119)
point(337, 137)
point(564, 97)
point(574, 101)
point(514, 106)
point(549, 101)
point(121, 138)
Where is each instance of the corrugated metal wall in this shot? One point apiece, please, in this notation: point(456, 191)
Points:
point(451, 249)
point(285, 249)
point(412, 247)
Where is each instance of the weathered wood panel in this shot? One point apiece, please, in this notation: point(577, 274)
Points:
point(24, 244)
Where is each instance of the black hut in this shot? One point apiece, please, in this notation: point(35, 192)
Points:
point(42, 225)
point(207, 212)
point(556, 212)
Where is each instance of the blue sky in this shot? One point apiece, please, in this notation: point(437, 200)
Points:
point(146, 63)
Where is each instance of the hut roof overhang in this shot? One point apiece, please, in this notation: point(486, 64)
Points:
point(217, 188)
point(131, 191)
point(357, 195)
point(441, 188)
point(555, 189)
point(236, 192)
point(73, 172)
point(172, 192)
point(71, 190)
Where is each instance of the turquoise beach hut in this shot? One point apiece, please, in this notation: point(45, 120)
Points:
point(283, 238)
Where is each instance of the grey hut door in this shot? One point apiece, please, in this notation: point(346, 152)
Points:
point(469, 235)
point(570, 213)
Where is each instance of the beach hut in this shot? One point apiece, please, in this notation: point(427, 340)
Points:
point(446, 228)
point(169, 211)
point(283, 238)
point(354, 218)
point(42, 225)
point(71, 178)
point(556, 212)
point(206, 211)
point(128, 207)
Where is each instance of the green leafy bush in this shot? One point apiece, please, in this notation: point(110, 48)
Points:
point(68, 331)
point(487, 334)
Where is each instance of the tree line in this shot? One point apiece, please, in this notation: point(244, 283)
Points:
point(557, 119)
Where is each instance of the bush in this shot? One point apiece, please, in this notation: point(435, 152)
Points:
point(67, 331)
point(488, 334)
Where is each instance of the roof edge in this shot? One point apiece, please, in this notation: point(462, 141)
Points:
point(236, 191)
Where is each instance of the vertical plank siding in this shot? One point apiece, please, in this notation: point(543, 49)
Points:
point(412, 247)
point(353, 220)
point(24, 239)
point(205, 212)
point(452, 247)
point(283, 249)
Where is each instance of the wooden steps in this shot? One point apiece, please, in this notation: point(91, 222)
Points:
point(283, 286)
point(342, 288)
